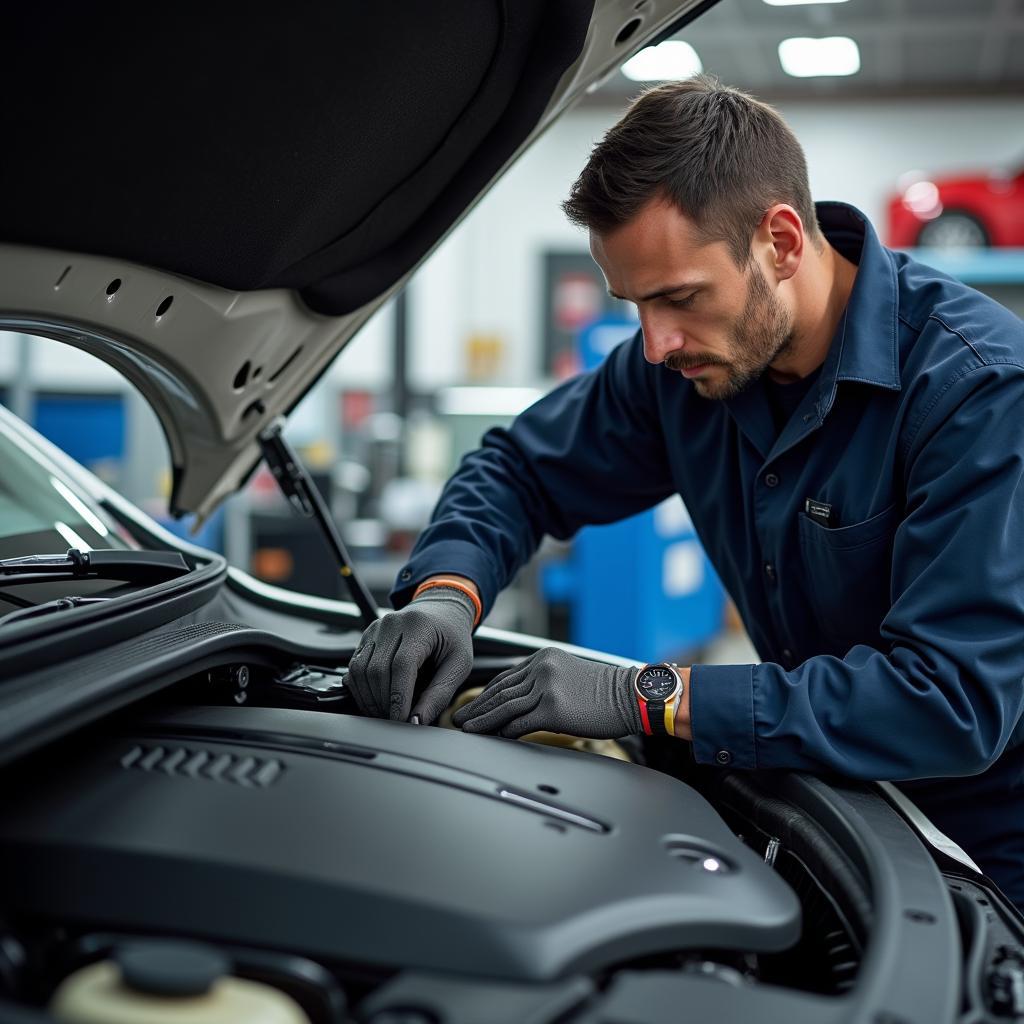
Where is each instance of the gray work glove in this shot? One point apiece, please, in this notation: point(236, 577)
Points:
point(558, 692)
point(437, 628)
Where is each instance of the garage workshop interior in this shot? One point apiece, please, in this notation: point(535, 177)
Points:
point(478, 545)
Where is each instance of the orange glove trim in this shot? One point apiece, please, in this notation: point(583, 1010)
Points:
point(456, 585)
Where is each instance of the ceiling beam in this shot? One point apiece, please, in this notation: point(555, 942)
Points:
point(890, 51)
point(996, 46)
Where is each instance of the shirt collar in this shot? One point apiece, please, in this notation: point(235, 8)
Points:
point(865, 347)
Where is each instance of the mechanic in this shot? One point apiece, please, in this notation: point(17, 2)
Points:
point(846, 429)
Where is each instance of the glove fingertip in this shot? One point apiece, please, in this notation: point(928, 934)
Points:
point(427, 711)
point(514, 729)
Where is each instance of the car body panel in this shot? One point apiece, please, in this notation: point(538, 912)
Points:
point(995, 201)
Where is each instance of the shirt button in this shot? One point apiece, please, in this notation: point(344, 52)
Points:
point(769, 571)
point(723, 757)
point(771, 480)
point(405, 575)
point(787, 654)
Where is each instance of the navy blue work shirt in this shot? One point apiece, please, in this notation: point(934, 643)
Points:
point(892, 635)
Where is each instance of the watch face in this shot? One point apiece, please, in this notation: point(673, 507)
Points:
point(656, 682)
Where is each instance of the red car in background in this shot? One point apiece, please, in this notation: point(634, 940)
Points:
point(985, 209)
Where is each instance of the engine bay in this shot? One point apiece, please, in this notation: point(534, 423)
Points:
point(247, 827)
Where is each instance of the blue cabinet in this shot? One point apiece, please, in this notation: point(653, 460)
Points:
point(89, 427)
point(644, 588)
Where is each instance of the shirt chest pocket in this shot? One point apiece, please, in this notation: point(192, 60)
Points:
point(848, 571)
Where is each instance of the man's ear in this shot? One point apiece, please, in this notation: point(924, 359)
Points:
point(781, 235)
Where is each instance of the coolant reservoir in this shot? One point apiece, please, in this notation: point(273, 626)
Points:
point(169, 983)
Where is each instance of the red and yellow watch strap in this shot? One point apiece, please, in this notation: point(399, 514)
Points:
point(667, 711)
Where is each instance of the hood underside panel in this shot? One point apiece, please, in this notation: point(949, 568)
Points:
point(322, 147)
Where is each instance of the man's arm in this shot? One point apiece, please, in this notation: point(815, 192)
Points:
point(942, 699)
point(592, 451)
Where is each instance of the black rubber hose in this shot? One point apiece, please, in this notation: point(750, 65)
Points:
point(806, 838)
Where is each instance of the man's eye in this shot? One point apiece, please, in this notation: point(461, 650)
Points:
point(683, 303)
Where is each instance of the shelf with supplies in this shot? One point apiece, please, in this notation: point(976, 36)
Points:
point(975, 266)
point(999, 273)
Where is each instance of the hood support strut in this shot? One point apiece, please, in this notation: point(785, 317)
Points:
point(302, 495)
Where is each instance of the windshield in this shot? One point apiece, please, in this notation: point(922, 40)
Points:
point(44, 512)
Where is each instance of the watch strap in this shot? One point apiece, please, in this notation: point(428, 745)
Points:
point(656, 717)
point(662, 717)
point(645, 719)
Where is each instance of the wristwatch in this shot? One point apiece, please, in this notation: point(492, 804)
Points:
point(658, 689)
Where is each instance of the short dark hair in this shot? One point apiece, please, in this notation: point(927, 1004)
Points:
point(721, 156)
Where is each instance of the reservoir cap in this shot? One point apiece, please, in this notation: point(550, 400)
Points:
point(171, 968)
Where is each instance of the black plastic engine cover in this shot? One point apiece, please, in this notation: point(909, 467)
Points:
point(354, 839)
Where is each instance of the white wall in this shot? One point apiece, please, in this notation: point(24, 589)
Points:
point(57, 366)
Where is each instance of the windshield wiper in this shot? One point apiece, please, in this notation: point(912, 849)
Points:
point(106, 564)
point(60, 604)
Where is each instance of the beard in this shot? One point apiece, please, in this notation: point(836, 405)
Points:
point(760, 334)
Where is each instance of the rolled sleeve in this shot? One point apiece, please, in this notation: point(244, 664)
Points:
point(722, 715)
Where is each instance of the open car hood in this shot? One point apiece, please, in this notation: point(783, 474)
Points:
point(213, 199)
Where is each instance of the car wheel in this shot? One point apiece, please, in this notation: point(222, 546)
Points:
point(953, 230)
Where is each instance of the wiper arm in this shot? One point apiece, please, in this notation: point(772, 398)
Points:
point(105, 564)
point(60, 604)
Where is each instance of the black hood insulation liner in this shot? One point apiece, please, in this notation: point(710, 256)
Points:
point(323, 147)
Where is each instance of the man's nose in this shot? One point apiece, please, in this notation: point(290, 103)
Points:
point(661, 337)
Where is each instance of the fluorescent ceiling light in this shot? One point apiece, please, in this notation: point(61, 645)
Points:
point(803, 57)
point(793, 3)
point(665, 62)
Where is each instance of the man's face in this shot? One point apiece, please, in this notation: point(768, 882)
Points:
point(718, 324)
